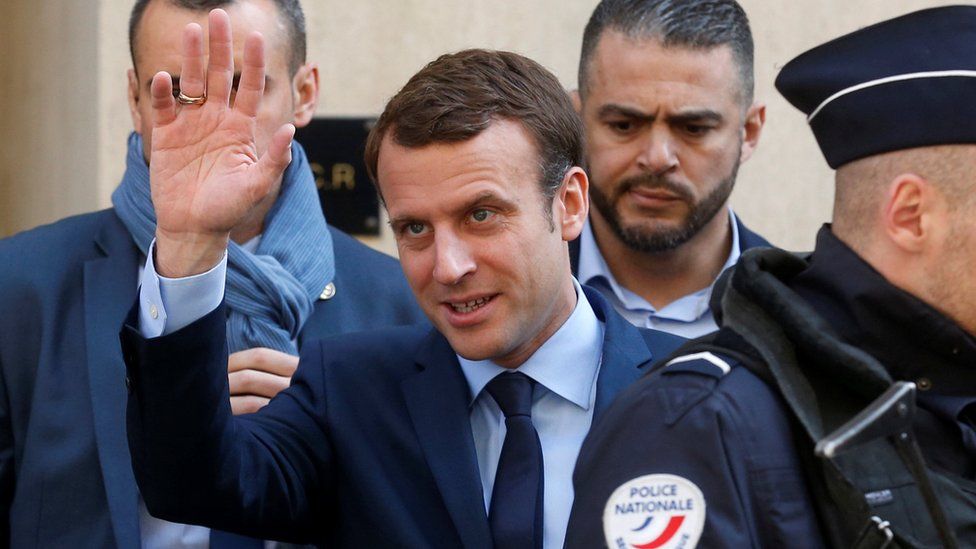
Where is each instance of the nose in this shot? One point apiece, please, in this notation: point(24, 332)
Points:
point(657, 154)
point(454, 259)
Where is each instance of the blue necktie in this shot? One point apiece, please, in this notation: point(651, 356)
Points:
point(515, 513)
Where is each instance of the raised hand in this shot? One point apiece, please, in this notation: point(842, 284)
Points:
point(204, 168)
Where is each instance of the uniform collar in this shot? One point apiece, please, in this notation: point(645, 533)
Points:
point(566, 364)
point(594, 271)
point(911, 339)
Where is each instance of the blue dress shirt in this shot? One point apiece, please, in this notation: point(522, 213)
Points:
point(565, 369)
point(689, 316)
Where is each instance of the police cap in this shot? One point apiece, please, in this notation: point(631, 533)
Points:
point(903, 83)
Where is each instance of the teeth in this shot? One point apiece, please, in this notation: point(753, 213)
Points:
point(470, 305)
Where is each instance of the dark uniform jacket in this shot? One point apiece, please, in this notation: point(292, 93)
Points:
point(832, 334)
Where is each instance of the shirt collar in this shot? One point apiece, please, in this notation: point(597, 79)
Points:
point(566, 364)
point(594, 271)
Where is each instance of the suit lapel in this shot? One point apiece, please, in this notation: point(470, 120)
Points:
point(437, 399)
point(625, 353)
point(749, 239)
point(110, 290)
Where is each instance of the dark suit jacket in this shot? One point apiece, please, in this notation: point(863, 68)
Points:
point(65, 473)
point(747, 239)
point(370, 447)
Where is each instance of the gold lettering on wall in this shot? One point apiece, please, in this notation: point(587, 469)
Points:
point(319, 172)
point(343, 176)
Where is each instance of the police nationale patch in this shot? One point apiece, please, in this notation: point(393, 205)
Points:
point(654, 512)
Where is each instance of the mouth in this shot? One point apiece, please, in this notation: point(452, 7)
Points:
point(654, 194)
point(470, 306)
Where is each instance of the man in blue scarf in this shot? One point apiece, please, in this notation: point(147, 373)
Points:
point(64, 464)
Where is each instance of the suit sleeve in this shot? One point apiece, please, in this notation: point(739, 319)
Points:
point(737, 451)
point(265, 474)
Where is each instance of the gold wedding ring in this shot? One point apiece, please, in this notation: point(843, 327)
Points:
point(187, 100)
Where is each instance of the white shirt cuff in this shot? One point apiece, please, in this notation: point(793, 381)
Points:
point(169, 304)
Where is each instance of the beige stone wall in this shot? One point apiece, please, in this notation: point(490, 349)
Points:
point(48, 111)
point(62, 101)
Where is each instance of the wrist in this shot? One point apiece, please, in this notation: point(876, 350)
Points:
point(179, 255)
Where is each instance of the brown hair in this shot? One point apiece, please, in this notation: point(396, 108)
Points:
point(459, 95)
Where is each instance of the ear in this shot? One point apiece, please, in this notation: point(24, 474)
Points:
point(914, 213)
point(571, 204)
point(133, 94)
point(751, 129)
point(305, 89)
point(574, 96)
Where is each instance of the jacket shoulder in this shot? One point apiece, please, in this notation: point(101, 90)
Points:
point(708, 419)
point(749, 239)
point(67, 232)
point(57, 247)
point(371, 291)
point(360, 266)
point(661, 344)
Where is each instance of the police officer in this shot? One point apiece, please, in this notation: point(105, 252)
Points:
point(837, 403)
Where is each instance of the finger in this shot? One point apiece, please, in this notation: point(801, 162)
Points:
point(278, 155)
point(192, 82)
point(247, 404)
point(265, 360)
point(251, 87)
point(161, 97)
point(220, 71)
point(254, 382)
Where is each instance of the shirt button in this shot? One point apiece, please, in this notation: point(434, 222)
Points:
point(923, 383)
point(153, 312)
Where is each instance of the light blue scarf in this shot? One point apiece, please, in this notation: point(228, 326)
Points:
point(269, 293)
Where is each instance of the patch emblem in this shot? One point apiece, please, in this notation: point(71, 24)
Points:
point(654, 512)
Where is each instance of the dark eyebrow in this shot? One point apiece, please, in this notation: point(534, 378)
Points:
point(477, 200)
point(487, 196)
point(684, 117)
point(697, 115)
point(620, 110)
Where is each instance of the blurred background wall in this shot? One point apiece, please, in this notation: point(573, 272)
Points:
point(64, 119)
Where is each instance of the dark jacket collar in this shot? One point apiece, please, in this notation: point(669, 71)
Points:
point(911, 338)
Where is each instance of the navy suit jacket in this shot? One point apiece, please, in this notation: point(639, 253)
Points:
point(747, 239)
point(371, 446)
point(65, 473)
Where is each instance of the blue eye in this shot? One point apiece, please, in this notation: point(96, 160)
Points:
point(416, 228)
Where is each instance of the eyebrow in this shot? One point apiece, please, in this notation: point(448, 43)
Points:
point(692, 115)
point(478, 199)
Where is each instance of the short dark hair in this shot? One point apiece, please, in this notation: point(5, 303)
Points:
point(289, 10)
point(459, 95)
point(693, 24)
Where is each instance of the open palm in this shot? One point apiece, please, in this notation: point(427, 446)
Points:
point(204, 168)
